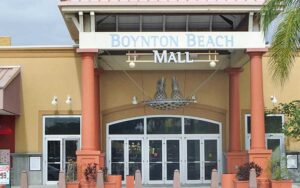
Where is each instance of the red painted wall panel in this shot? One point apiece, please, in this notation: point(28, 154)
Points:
point(7, 141)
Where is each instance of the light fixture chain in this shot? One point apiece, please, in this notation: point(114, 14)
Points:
point(136, 84)
point(195, 91)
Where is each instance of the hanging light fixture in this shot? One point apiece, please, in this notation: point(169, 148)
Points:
point(210, 57)
point(162, 102)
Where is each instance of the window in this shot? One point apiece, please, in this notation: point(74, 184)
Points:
point(128, 127)
point(273, 123)
point(164, 125)
point(62, 125)
point(195, 126)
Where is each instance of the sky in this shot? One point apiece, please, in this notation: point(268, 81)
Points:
point(33, 22)
point(38, 22)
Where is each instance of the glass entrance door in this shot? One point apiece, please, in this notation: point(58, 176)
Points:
point(60, 152)
point(275, 143)
point(125, 157)
point(54, 159)
point(164, 158)
point(202, 155)
point(211, 157)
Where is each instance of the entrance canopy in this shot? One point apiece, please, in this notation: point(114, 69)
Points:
point(9, 90)
point(129, 31)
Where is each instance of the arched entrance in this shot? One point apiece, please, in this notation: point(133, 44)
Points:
point(157, 145)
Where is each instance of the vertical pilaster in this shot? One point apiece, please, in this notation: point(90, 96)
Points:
point(97, 108)
point(258, 152)
point(235, 156)
point(234, 109)
point(89, 152)
point(88, 102)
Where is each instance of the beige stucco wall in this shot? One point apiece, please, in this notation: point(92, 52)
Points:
point(57, 72)
point(288, 92)
point(44, 73)
point(117, 91)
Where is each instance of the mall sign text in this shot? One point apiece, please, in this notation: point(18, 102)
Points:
point(170, 40)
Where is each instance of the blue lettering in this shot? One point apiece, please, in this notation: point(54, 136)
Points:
point(115, 40)
point(134, 39)
point(163, 41)
point(220, 41)
point(229, 41)
point(145, 41)
point(201, 41)
point(190, 40)
point(173, 41)
point(154, 42)
point(125, 41)
point(210, 42)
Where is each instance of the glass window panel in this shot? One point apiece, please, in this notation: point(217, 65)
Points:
point(128, 127)
point(193, 150)
point(62, 125)
point(208, 169)
point(171, 167)
point(249, 124)
point(273, 124)
point(193, 172)
point(155, 150)
point(173, 150)
point(164, 125)
point(135, 151)
point(117, 169)
point(134, 167)
point(194, 126)
point(53, 172)
point(274, 145)
point(71, 148)
point(155, 170)
point(53, 151)
point(117, 151)
point(210, 147)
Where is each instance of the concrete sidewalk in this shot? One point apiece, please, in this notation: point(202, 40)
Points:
point(295, 185)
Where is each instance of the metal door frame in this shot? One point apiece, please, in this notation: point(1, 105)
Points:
point(164, 138)
point(126, 140)
point(62, 153)
point(201, 138)
point(56, 137)
point(181, 137)
point(279, 136)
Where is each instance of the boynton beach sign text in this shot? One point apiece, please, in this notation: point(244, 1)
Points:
point(170, 40)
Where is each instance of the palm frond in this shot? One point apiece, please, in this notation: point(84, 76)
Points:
point(284, 45)
point(272, 8)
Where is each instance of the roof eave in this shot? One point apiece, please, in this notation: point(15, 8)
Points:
point(162, 8)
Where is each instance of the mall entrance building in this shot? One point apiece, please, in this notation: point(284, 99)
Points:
point(149, 85)
point(172, 43)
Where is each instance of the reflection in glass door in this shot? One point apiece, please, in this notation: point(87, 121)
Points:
point(193, 160)
point(54, 159)
point(155, 160)
point(60, 152)
point(134, 156)
point(210, 157)
point(275, 143)
point(172, 158)
point(70, 148)
point(164, 158)
point(125, 157)
point(117, 157)
point(201, 157)
point(191, 145)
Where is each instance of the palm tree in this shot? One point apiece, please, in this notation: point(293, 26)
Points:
point(285, 43)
